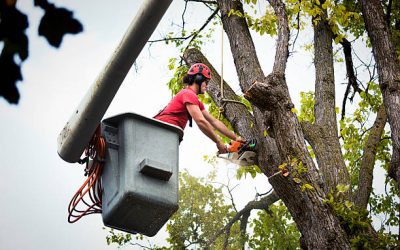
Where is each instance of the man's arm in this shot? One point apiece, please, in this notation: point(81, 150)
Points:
point(220, 126)
point(205, 126)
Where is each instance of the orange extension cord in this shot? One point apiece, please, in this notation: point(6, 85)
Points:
point(92, 187)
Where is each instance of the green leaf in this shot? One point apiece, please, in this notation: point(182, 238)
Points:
point(348, 204)
point(306, 187)
point(297, 180)
point(341, 188)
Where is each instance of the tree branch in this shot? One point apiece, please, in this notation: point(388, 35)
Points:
point(282, 46)
point(243, 227)
point(350, 74)
point(193, 35)
point(331, 165)
point(202, 27)
point(363, 192)
point(263, 203)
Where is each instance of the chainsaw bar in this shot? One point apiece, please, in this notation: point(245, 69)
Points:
point(244, 159)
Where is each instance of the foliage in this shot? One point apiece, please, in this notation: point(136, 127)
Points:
point(274, 229)
point(118, 238)
point(387, 206)
point(55, 23)
point(176, 84)
point(343, 17)
point(265, 24)
point(243, 171)
point(202, 210)
point(123, 239)
point(307, 103)
point(356, 222)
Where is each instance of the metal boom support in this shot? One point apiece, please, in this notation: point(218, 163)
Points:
point(79, 129)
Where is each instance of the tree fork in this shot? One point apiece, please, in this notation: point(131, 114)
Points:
point(316, 221)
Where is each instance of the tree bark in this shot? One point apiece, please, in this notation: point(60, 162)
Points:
point(388, 72)
point(282, 45)
point(365, 179)
point(331, 165)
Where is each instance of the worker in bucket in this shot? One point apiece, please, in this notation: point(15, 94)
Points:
point(186, 106)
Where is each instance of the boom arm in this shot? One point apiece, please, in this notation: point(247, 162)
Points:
point(79, 129)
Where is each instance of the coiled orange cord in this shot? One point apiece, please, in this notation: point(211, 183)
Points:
point(92, 187)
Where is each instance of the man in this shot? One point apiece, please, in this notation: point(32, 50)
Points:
point(186, 106)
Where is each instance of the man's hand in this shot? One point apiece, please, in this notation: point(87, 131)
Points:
point(221, 148)
point(240, 139)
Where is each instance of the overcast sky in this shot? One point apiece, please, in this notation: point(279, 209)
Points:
point(36, 184)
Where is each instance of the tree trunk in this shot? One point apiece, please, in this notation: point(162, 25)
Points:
point(388, 73)
point(331, 165)
point(319, 226)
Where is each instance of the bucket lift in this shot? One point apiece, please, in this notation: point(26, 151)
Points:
point(139, 179)
point(140, 176)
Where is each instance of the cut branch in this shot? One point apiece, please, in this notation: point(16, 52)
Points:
point(269, 94)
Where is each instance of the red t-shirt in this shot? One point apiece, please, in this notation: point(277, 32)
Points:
point(175, 112)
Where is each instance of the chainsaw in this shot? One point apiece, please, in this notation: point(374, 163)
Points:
point(241, 153)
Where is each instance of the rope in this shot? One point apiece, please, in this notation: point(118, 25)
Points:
point(91, 187)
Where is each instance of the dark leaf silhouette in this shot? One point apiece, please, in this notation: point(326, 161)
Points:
point(56, 23)
point(12, 32)
point(11, 73)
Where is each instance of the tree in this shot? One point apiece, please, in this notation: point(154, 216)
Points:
point(327, 197)
point(324, 198)
point(55, 23)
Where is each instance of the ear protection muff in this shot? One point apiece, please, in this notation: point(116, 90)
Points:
point(199, 78)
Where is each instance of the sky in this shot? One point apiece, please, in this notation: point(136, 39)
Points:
point(36, 184)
